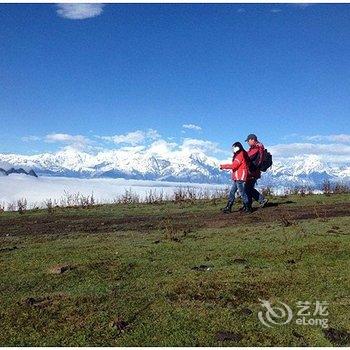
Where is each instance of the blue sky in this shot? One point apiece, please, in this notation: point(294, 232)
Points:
point(71, 75)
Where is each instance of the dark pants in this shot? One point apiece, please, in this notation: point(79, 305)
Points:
point(252, 193)
point(241, 188)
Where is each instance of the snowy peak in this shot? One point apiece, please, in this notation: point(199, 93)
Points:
point(160, 162)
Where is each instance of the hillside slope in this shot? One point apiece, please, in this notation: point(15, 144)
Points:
point(174, 274)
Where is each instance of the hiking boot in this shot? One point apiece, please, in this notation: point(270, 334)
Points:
point(263, 203)
point(241, 208)
point(228, 208)
point(248, 209)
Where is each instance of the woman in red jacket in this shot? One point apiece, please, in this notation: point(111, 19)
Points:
point(240, 173)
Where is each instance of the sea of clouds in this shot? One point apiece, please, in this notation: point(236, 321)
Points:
point(38, 190)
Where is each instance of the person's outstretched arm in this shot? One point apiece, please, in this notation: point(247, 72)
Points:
point(231, 166)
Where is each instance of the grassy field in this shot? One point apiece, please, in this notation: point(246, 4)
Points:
point(174, 274)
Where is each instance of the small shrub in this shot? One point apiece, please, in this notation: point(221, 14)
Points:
point(327, 188)
point(302, 191)
point(220, 193)
point(341, 188)
point(173, 231)
point(179, 195)
point(21, 205)
point(266, 191)
point(87, 201)
point(170, 229)
point(129, 197)
point(154, 197)
point(49, 205)
point(11, 207)
point(286, 219)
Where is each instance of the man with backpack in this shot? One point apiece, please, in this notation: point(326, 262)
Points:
point(260, 160)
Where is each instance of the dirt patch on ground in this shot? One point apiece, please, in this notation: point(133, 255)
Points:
point(228, 336)
point(42, 302)
point(338, 337)
point(66, 224)
point(216, 292)
point(59, 269)
point(8, 249)
point(119, 323)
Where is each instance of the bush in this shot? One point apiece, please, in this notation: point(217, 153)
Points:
point(341, 188)
point(336, 188)
point(22, 205)
point(154, 197)
point(266, 191)
point(327, 188)
point(49, 205)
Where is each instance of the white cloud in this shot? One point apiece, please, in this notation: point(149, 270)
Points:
point(79, 11)
point(191, 126)
point(150, 141)
point(332, 152)
point(162, 147)
point(332, 148)
point(30, 138)
point(200, 145)
point(75, 141)
point(152, 134)
point(342, 138)
point(133, 138)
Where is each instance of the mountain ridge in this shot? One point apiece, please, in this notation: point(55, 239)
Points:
point(176, 166)
point(4, 172)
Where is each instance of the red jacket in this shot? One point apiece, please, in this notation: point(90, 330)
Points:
point(239, 166)
point(256, 152)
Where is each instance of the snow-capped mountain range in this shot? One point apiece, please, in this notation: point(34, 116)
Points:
point(180, 166)
point(10, 171)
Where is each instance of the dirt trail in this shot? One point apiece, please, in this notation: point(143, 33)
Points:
point(58, 224)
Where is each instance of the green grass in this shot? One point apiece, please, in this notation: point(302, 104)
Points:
point(132, 288)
